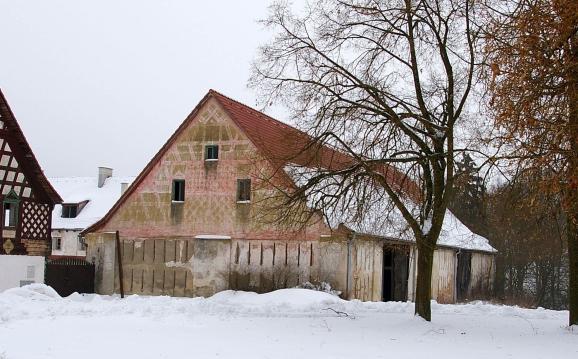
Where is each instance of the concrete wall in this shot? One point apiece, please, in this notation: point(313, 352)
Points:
point(69, 243)
point(15, 269)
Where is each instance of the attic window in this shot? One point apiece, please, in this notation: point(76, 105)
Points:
point(243, 190)
point(178, 194)
point(211, 152)
point(69, 210)
point(10, 207)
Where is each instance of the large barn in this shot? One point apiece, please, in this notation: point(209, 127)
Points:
point(190, 225)
point(27, 202)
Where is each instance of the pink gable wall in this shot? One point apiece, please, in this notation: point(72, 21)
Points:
point(210, 205)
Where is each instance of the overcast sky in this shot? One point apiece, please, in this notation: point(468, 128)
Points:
point(105, 83)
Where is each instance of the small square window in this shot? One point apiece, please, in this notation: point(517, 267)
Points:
point(212, 152)
point(56, 243)
point(178, 190)
point(243, 190)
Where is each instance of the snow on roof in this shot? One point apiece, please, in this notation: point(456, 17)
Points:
point(375, 215)
point(453, 234)
point(79, 189)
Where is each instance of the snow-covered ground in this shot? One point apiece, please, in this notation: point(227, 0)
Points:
point(291, 323)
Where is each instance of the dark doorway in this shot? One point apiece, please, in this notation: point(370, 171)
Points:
point(70, 275)
point(463, 275)
point(387, 275)
point(395, 274)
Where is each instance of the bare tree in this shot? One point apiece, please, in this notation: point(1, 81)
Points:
point(384, 85)
point(533, 53)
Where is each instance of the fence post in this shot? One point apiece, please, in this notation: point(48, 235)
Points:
point(119, 258)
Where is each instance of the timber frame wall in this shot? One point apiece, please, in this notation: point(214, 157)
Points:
point(23, 185)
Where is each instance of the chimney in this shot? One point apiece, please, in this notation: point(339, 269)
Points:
point(103, 174)
point(123, 187)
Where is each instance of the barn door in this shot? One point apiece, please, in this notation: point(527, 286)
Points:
point(395, 275)
point(463, 275)
point(387, 285)
point(400, 275)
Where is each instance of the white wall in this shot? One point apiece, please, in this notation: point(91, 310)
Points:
point(69, 243)
point(14, 269)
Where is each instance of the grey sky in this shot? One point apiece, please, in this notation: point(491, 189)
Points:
point(106, 82)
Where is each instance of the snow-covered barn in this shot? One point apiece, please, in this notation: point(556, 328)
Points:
point(188, 225)
point(85, 201)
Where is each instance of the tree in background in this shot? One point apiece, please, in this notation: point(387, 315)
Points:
point(468, 202)
point(533, 56)
point(386, 83)
point(527, 227)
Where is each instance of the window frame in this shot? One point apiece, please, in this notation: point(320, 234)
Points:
point(57, 240)
point(214, 151)
point(181, 193)
point(66, 209)
point(13, 202)
point(242, 190)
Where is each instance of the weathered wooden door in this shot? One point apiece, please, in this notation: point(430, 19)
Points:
point(463, 275)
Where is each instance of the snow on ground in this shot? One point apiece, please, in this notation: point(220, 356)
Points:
point(290, 323)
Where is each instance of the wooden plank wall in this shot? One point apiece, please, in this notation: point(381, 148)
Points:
point(443, 275)
point(367, 270)
point(481, 275)
point(412, 277)
point(262, 266)
point(157, 267)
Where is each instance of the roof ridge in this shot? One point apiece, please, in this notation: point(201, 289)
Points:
point(28, 163)
point(257, 112)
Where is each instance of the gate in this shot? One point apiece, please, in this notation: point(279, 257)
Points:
point(69, 275)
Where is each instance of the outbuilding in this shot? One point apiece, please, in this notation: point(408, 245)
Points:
point(189, 224)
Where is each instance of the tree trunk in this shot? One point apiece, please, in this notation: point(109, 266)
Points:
point(573, 269)
point(571, 195)
point(424, 274)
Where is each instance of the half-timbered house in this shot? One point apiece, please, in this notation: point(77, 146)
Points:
point(190, 225)
point(27, 201)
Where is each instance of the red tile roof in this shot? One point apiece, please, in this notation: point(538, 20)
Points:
point(278, 142)
point(25, 157)
point(283, 144)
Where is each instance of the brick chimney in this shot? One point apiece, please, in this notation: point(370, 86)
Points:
point(103, 174)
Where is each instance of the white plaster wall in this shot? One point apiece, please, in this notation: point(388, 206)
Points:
point(13, 269)
point(69, 243)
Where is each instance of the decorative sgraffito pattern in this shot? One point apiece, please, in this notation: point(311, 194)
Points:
point(35, 221)
point(11, 175)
